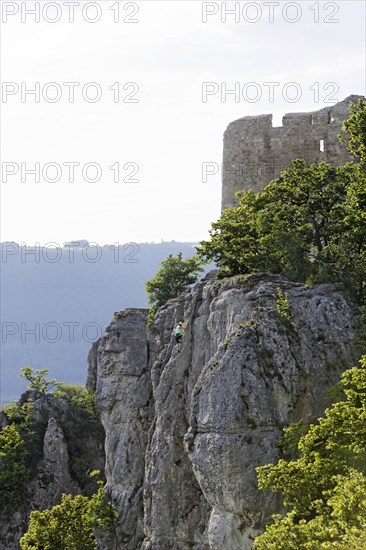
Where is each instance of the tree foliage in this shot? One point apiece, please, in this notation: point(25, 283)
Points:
point(71, 524)
point(309, 224)
point(324, 488)
point(37, 379)
point(81, 398)
point(355, 127)
point(18, 454)
point(14, 470)
point(173, 277)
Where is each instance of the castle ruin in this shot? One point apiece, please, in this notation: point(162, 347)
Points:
point(255, 152)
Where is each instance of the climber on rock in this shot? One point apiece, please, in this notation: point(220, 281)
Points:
point(179, 333)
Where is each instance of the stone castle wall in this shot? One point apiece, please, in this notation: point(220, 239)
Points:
point(255, 152)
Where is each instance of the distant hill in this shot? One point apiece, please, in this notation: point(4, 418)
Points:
point(56, 302)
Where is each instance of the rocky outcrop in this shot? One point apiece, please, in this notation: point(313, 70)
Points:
point(59, 430)
point(54, 476)
point(185, 429)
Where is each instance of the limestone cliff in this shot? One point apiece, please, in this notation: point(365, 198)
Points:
point(186, 429)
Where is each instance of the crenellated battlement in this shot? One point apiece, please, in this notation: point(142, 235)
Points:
point(255, 152)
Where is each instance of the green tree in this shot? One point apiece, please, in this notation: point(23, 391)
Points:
point(37, 379)
point(347, 252)
point(324, 488)
point(173, 277)
point(285, 228)
point(235, 244)
point(71, 524)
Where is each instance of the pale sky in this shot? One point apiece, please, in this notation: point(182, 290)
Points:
point(314, 52)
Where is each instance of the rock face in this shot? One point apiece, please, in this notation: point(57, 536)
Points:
point(54, 469)
point(120, 375)
point(186, 429)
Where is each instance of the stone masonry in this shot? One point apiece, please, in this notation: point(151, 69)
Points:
point(255, 152)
